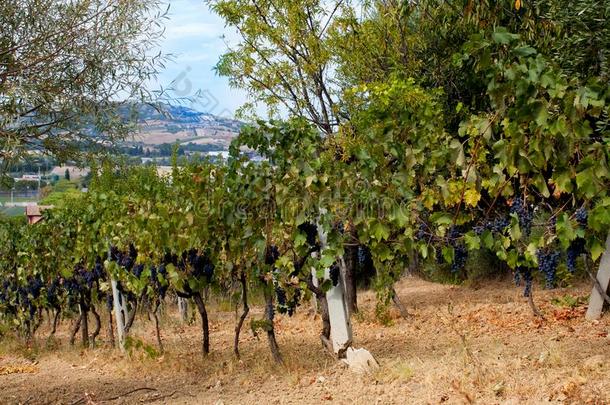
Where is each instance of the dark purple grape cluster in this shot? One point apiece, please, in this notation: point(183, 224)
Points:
point(200, 264)
point(460, 255)
point(517, 278)
point(272, 253)
point(421, 231)
point(109, 301)
point(495, 225)
point(157, 274)
point(547, 264)
point(137, 270)
point(582, 217)
point(479, 229)
point(34, 287)
point(281, 296)
point(98, 270)
point(311, 233)
point(440, 259)
point(460, 252)
point(576, 248)
point(525, 216)
point(361, 253)
point(285, 305)
point(526, 274)
point(334, 274)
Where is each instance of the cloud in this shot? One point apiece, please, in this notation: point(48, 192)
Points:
point(194, 30)
point(194, 36)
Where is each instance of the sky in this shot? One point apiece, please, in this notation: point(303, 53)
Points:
point(194, 37)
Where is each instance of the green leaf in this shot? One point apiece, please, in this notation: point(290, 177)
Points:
point(524, 51)
point(596, 249)
point(473, 242)
point(448, 254)
point(380, 231)
point(565, 230)
point(503, 37)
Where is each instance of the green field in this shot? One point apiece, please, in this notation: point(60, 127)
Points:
point(12, 211)
point(4, 199)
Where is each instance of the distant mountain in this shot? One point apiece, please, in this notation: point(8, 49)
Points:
point(181, 124)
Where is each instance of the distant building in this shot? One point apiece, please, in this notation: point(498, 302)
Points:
point(29, 177)
point(34, 212)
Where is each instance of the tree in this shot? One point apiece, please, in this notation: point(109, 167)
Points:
point(283, 59)
point(67, 67)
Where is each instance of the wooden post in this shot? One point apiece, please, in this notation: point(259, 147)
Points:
point(340, 326)
point(596, 302)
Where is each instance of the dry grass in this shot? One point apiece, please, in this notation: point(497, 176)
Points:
point(459, 346)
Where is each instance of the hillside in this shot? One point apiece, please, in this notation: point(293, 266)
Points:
point(171, 124)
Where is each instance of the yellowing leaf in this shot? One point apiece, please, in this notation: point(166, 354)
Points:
point(472, 197)
point(517, 4)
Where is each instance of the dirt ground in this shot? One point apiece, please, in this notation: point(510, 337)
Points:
point(460, 345)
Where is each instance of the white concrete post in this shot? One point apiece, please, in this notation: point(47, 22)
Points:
point(596, 302)
point(340, 326)
point(183, 309)
point(119, 313)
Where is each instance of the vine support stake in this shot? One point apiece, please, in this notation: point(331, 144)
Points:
point(183, 309)
point(340, 325)
point(119, 315)
point(597, 300)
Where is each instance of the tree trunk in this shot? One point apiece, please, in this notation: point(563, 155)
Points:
point(349, 277)
point(530, 301)
point(157, 330)
point(98, 325)
point(323, 306)
point(204, 322)
point(55, 321)
point(401, 307)
point(110, 329)
point(84, 324)
point(132, 314)
point(269, 315)
point(75, 329)
point(244, 314)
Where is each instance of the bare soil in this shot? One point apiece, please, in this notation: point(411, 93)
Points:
point(459, 345)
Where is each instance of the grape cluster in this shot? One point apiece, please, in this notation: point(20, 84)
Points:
point(525, 273)
point(517, 278)
point(460, 256)
point(200, 264)
point(576, 248)
point(496, 225)
point(34, 287)
point(479, 229)
point(421, 231)
point(460, 252)
point(582, 217)
point(271, 255)
point(525, 216)
point(547, 264)
point(440, 259)
point(311, 232)
point(156, 275)
point(334, 274)
point(109, 301)
point(285, 305)
point(281, 297)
